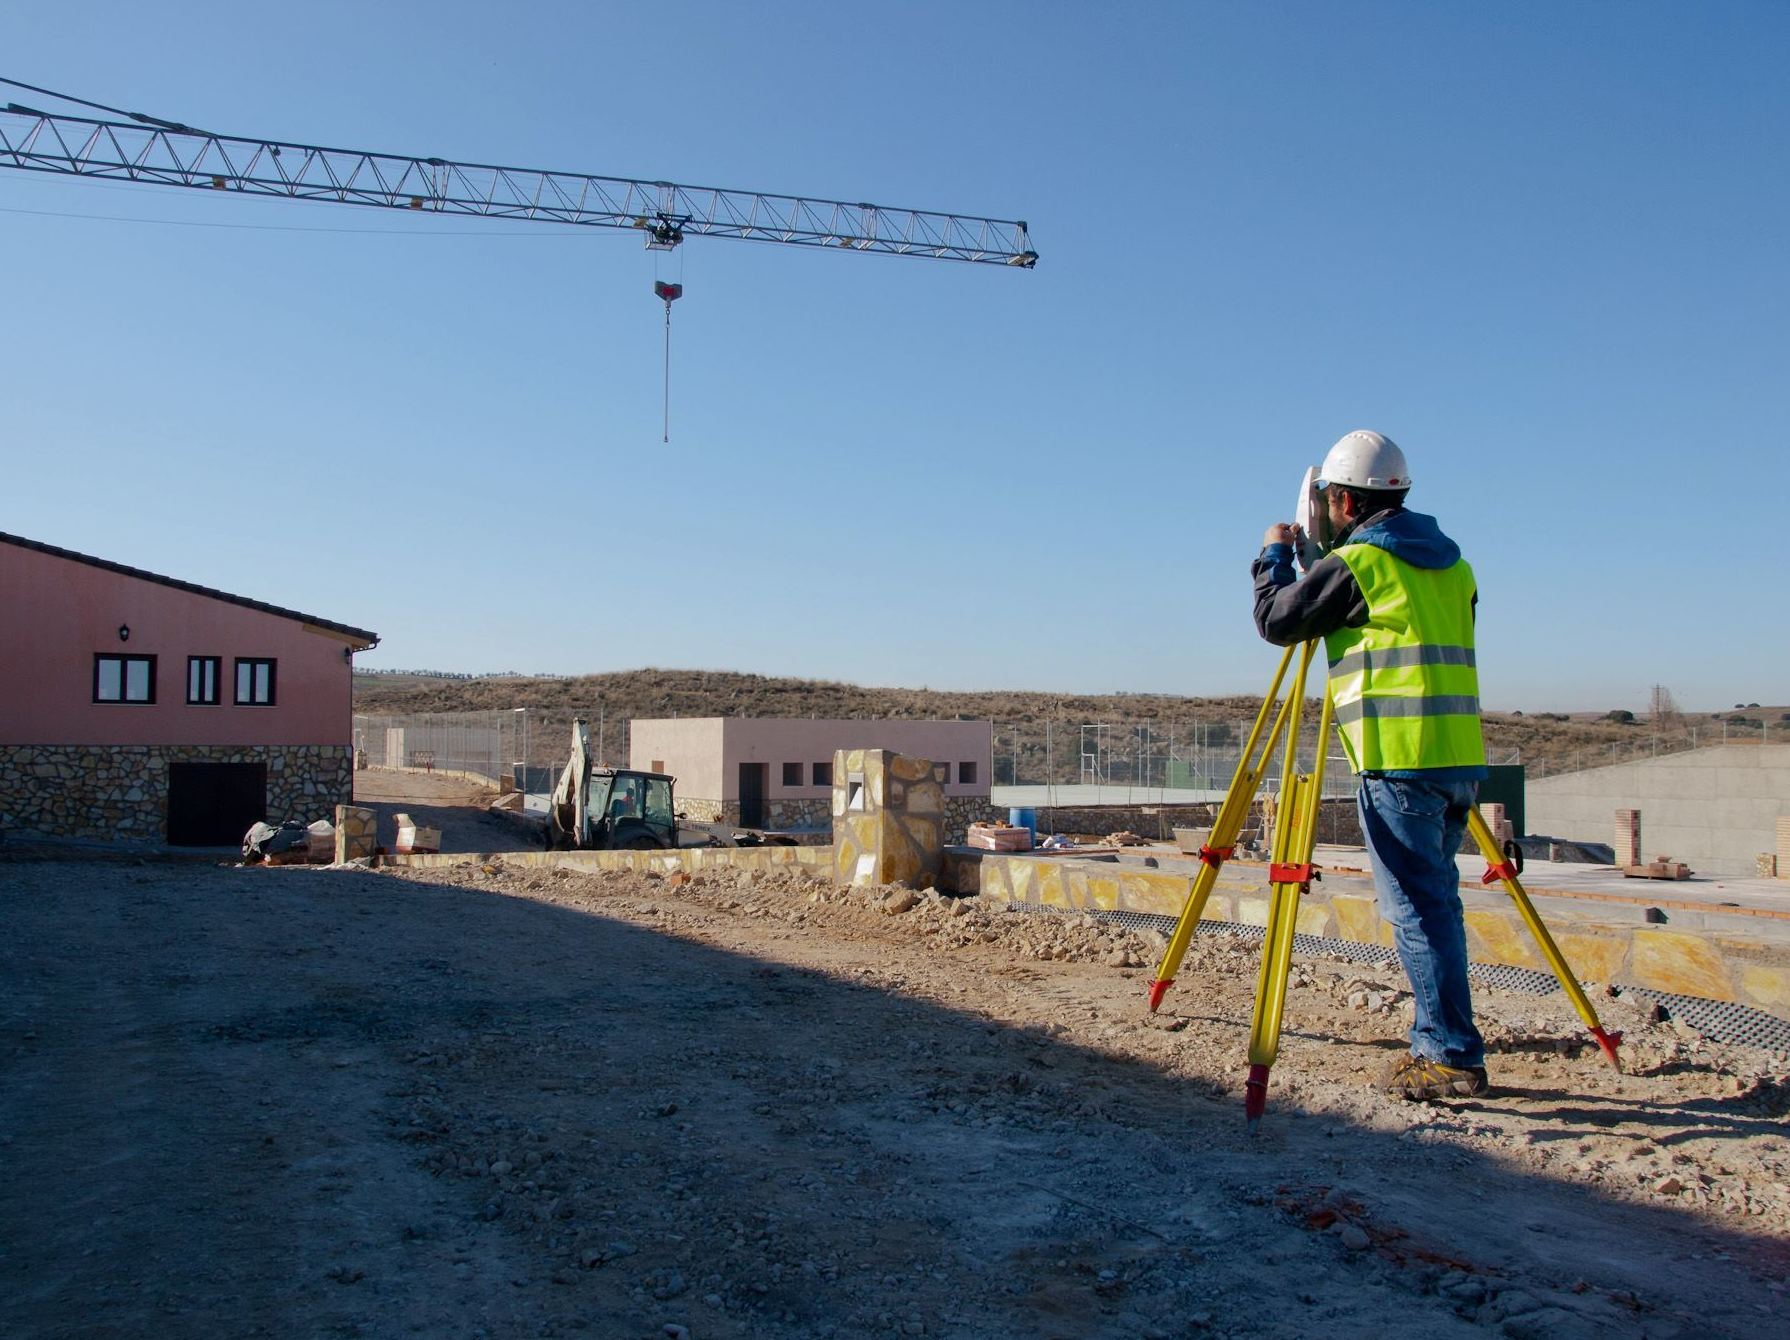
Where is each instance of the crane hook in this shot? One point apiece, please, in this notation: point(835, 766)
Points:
point(670, 293)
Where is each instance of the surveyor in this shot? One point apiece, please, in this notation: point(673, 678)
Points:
point(1394, 602)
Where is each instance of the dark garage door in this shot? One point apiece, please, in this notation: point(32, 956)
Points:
point(213, 804)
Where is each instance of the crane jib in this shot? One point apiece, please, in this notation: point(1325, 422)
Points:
point(168, 154)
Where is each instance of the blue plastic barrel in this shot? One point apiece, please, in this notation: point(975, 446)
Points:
point(1026, 819)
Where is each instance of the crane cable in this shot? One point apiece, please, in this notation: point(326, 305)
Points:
point(668, 293)
point(101, 107)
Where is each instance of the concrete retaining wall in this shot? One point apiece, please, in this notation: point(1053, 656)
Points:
point(1714, 809)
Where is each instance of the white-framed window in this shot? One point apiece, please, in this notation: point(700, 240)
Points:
point(123, 679)
point(255, 681)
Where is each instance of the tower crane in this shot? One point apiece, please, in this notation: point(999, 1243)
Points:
point(149, 149)
point(159, 152)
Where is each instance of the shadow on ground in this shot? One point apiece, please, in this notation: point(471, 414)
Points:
point(292, 1102)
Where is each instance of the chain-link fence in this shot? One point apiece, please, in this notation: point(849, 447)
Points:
point(484, 745)
point(1159, 756)
point(517, 749)
point(1654, 744)
point(1146, 756)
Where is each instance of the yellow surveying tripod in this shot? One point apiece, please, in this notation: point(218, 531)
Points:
point(1290, 873)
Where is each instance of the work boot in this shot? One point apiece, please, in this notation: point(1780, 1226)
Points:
point(1418, 1079)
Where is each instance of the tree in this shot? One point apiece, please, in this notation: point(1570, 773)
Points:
point(1664, 711)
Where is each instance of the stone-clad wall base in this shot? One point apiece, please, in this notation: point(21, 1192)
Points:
point(1715, 965)
point(120, 793)
point(962, 811)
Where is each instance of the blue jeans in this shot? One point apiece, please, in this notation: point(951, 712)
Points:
point(1413, 830)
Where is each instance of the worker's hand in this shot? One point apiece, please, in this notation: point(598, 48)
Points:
point(1280, 533)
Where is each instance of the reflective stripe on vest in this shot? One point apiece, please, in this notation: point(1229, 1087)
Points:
point(1397, 658)
point(1405, 684)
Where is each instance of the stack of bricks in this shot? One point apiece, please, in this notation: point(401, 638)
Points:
point(1502, 829)
point(356, 833)
point(1628, 837)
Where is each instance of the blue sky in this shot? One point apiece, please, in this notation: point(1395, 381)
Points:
point(1541, 245)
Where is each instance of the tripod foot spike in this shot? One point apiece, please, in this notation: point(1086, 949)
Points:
point(1255, 1095)
point(1158, 990)
point(1609, 1042)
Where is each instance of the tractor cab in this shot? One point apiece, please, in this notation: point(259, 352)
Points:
point(630, 810)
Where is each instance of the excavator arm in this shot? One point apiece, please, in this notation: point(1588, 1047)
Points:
point(568, 812)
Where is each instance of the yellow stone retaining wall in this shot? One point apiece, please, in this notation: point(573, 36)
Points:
point(1717, 965)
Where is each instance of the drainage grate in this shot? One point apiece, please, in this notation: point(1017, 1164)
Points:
point(1721, 1020)
point(1717, 1020)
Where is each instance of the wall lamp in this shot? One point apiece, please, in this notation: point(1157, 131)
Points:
point(124, 632)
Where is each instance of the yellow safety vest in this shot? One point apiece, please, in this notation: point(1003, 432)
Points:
point(1405, 684)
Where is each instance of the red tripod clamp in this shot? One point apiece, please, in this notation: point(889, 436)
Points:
point(1292, 874)
point(1494, 873)
point(1216, 856)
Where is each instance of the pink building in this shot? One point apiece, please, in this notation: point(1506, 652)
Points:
point(776, 772)
point(138, 707)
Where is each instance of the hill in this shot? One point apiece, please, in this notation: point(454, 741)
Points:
point(1038, 736)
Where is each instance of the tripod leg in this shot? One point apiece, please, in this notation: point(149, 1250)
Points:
point(1499, 867)
point(1191, 912)
point(1226, 825)
point(1291, 873)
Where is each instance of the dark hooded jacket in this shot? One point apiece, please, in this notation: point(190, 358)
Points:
point(1290, 609)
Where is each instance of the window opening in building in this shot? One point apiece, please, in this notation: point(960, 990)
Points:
point(792, 774)
point(202, 676)
point(823, 774)
point(123, 679)
point(966, 774)
point(254, 682)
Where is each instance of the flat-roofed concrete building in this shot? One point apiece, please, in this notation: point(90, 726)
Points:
point(142, 708)
point(776, 772)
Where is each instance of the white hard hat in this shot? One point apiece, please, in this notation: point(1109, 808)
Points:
point(1365, 460)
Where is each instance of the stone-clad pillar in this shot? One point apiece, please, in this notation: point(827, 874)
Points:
point(356, 832)
point(888, 818)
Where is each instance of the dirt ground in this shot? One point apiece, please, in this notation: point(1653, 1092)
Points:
point(490, 1102)
point(437, 800)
